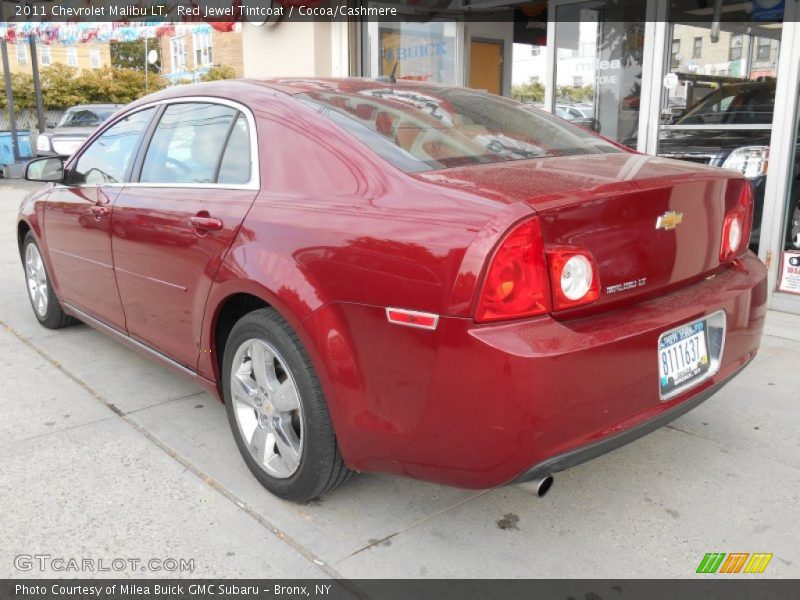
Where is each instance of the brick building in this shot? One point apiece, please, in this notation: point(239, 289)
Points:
point(81, 55)
point(189, 51)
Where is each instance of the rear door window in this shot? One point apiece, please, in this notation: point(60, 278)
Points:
point(236, 166)
point(187, 145)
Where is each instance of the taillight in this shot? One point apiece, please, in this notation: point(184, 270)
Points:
point(573, 273)
point(736, 226)
point(516, 283)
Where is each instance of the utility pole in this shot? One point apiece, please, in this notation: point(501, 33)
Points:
point(12, 118)
point(37, 84)
point(146, 65)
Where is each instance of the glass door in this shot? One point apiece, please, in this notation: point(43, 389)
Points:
point(718, 91)
point(789, 259)
point(599, 63)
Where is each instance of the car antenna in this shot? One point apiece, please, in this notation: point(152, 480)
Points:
point(391, 77)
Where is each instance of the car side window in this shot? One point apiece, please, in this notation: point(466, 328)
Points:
point(187, 143)
point(235, 167)
point(109, 157)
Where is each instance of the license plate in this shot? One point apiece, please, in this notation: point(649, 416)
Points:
point(682, 356)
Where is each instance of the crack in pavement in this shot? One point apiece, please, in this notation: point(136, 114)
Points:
point(207, 479)
point(720, 445)
point(416, 523)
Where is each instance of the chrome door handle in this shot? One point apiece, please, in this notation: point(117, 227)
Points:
point(205, 223)
point(100, 210)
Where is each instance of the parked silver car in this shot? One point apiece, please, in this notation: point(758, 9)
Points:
point(77, 124)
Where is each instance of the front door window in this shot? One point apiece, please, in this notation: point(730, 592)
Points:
point(109, 158)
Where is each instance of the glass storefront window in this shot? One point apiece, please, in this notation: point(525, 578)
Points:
point(420, 51)
point(599, 50)
point(718, 101)
point(789, 276)
point(529, 74)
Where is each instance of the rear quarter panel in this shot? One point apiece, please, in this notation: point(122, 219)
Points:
point(335, 224)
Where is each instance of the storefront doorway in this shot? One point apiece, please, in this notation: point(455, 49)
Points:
point(598, 67)
point(486, 65)
point(718, 93)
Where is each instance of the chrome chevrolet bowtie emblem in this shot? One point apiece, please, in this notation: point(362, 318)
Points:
point(669, 220)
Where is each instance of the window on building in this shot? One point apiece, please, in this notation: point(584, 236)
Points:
point(94, 58)
point(202, 49)
point(72, 56)
point(44, 56)
point(697, 49)
point(675, 61)
point(577, 81)
point(22, 53)
point(737, 42)
point(764, 49)
point(177, 49)
point(536, 50)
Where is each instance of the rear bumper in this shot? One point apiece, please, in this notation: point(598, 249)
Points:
point(578, 456)
point(477, 405)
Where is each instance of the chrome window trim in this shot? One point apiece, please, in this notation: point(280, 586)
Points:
point(255, 163)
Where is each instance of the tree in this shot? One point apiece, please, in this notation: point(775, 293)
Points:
point(219, 72)
point(64, 86)
point(533, 91)
point(567, 93)
point(132, 55)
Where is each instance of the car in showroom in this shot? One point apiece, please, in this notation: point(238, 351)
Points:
point(731, 128)
point(75, 126)
point(399, 277)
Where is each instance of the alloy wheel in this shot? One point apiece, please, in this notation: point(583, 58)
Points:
point(267, 407)
point(36, 276)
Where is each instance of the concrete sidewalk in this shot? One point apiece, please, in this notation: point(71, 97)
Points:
point(106, 455)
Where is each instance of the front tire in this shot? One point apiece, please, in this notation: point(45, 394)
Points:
point(277, 411)
point(44, 302)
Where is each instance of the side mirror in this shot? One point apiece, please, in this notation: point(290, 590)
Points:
point(45, 169)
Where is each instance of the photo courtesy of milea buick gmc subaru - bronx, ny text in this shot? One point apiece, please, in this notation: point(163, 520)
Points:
point(400, 277)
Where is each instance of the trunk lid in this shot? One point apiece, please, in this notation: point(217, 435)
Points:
point(610, 205)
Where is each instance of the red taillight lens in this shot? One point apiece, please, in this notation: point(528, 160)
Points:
point(573, 273)
point(516, 283)
point(736, 226)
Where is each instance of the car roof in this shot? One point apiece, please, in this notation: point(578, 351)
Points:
point(231, 88)
point(80, 106)
point(304, 85)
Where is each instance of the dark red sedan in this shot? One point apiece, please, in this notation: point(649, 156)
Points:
point(422, 280)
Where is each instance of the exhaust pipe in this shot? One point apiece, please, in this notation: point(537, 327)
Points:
point(543, 485)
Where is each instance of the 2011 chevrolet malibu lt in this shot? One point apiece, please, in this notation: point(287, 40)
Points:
point(399, 277)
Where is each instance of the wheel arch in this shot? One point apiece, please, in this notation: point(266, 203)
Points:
point(23, 227)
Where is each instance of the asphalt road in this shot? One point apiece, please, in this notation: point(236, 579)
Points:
point(106, 455)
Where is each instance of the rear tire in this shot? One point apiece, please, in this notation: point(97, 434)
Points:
point(277, 411)
point(44, 302)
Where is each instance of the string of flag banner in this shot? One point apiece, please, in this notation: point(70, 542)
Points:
point(73, 33)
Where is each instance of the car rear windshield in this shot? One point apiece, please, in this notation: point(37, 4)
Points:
point(85, 117)
point(421, 128)
point(746, 104)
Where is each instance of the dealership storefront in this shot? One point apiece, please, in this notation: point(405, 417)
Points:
point(710, 82)
point(733, 74)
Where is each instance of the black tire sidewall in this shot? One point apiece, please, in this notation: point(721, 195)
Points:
point(316, 461)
